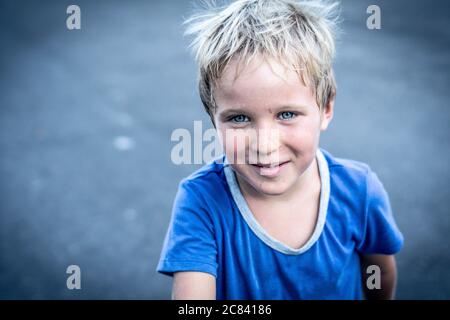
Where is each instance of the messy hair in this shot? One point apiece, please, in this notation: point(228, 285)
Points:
point(297, 34)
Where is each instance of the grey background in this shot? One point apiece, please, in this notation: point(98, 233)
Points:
point(68, 195)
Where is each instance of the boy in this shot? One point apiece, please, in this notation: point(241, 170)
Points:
point(296, 223)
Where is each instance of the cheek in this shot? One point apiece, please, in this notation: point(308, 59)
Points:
point(234, 141)
point(302, 137)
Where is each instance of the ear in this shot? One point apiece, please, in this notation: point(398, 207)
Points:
point(327, 114)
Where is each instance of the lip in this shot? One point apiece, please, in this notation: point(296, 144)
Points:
point(270, 170)
point(268, 165)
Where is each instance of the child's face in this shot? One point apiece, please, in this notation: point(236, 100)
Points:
point(280, 118)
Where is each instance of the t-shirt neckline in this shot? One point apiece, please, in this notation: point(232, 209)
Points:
point(260, 232)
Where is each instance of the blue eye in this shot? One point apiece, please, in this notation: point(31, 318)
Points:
point(239, 119)
point(286, 115)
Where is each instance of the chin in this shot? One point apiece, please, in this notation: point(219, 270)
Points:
point(271, 188)
point(266, 186)
point(272, 191)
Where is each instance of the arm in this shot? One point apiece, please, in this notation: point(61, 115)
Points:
point(193, 286)
point(388, 276)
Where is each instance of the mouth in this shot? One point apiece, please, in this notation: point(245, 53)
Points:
point(269, 169)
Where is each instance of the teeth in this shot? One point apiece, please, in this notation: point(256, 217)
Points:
point(268, 165)
point(271, 165)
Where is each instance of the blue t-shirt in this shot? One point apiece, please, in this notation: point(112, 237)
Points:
point(212, 230)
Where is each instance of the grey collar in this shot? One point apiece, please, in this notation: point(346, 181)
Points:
point(259, 230)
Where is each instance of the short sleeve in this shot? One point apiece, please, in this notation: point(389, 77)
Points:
point(189, 244)
point(380, 234)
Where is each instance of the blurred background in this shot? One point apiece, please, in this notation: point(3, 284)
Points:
point(86, 118)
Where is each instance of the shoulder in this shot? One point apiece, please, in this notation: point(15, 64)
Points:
point(348, 174)
point(206, 183)
point(210, 173)
point(354, 182)
point(358, 194)
point(343, 166)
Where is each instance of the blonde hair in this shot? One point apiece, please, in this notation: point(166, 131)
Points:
point(296, 34)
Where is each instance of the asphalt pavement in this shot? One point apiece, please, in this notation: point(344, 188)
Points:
point(86, 118)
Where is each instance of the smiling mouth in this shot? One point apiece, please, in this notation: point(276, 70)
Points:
point(269, 170)
point(269, 165)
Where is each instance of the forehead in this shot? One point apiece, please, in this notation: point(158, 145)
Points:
point(261, 82)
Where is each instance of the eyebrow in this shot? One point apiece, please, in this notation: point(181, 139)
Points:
point(224, 114)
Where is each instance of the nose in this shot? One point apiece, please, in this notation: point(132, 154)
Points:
point(266, 145)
